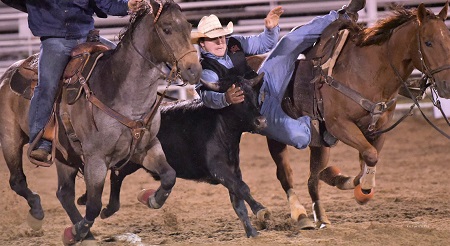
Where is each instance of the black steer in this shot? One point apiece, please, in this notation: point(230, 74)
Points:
point(202, 144)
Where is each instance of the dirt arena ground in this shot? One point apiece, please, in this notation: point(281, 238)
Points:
point(411, 204)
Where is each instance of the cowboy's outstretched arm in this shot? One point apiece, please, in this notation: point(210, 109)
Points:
point(265, 41)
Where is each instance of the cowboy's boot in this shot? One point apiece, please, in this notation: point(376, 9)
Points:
point(40, 155)
point(353, 7)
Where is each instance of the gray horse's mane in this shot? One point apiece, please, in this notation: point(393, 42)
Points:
point(135, 18)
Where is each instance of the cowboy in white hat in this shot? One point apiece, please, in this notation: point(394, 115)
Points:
point(222, 56)
point(222, 52)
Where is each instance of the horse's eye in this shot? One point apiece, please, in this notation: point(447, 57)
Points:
point(428, 43)
point(167, 31)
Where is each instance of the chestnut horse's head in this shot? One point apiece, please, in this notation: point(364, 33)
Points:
point(434, 48)
point(161, 33)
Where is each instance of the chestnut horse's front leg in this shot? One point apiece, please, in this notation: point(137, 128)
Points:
point(279, 154)
point(351, 135)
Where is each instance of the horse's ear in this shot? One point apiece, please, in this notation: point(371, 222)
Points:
point(421, 13)
point(155, 5)
point(443, 14)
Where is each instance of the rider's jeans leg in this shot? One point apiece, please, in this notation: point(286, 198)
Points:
point(278, 69)
point(279, 65)
point(54, 56)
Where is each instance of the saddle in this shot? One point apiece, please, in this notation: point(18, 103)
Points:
point(80, 66)
point(24, 79)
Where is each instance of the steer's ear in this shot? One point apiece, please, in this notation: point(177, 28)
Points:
point(257, 80)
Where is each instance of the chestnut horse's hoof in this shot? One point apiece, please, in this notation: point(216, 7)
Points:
point(305, 223)
point(68, 237)
point(362, 197)
point(329, 174)
point(34, 223)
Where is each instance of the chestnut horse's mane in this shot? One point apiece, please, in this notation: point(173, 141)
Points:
point(382, 30)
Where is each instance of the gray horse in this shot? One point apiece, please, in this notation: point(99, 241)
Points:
point(116, 119)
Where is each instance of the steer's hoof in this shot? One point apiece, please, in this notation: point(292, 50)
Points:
point(34, 223)
point(362, 197)
point(68, 238)
point(263, 214)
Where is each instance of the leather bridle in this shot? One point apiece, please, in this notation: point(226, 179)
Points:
point(428, 75)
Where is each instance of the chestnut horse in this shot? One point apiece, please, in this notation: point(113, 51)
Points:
point(374, 64)
point(117, 119)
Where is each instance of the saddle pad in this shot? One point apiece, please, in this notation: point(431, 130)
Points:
point(24, 79)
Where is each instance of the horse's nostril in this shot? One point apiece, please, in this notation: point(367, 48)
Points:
point(261, 122)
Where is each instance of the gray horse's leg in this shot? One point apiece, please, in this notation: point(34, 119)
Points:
point(155, 161)
point(66, 192)
point(116, 184)
point(12, 146)
point(95, 171)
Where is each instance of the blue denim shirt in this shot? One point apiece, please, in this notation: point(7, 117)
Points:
point(71, 19)
point(251, 45)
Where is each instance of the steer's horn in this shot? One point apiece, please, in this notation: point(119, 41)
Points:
point(257, 80)
point(210, 85)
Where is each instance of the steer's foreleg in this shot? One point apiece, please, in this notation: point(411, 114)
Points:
point(241, 211)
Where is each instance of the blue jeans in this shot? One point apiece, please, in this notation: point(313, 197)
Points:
point(278, 69)
point(54, 56)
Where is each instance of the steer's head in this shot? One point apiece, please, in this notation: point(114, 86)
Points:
point(246, 115)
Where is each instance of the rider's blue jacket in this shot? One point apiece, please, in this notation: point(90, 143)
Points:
point(71, 19)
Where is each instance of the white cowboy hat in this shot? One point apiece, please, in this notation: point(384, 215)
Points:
point(210, 27)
